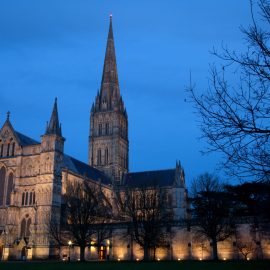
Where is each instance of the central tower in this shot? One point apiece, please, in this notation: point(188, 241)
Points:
point(108, 140)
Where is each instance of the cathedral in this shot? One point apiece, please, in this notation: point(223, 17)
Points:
point(33, 176)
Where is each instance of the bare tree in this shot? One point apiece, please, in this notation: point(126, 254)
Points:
point(210, 211)
point(251, 200)
point(86, 207)
point(235, 118)
point(102, 232)
point(201, 242)
point(57, 234)
point(246, 248)
point(145, 208)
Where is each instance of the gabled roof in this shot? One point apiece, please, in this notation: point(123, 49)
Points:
point(84, 169)
point(160, 178)
point(22, 139)
point(25, 140)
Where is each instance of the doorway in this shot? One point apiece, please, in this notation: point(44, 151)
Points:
point(102, 253)
point(24, 253)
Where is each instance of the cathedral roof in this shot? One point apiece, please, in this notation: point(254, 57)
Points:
point(160, 178)
point(84, 169)
point(25, 140)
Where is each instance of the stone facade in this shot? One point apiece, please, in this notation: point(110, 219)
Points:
point(33, 177)
point(32, 171)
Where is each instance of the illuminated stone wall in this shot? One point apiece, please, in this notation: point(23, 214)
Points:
point(184, 246)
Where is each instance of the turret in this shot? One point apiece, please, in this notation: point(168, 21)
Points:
point(53, 140)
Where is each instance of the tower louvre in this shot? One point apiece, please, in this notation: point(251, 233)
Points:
point(108, 140)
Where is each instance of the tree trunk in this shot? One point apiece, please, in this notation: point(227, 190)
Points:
point(131, 248)
point(82, 250)
point(146, 253)
point(214, 247)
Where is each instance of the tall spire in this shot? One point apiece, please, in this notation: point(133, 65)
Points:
point(108, 140)
point(109, 84)
point(53, 127)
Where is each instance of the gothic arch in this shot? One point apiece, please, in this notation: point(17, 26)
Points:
point(28, 224)
point(9, 188)
point(23, 198)
point(2, 184)
point(23, 228)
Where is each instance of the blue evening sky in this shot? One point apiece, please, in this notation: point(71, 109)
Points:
point(55, 48)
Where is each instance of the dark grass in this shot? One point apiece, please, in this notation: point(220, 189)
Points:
point(183, 265)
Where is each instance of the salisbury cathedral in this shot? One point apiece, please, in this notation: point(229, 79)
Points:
point(33, 176)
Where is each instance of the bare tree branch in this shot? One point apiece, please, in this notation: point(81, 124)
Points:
point(235, 120)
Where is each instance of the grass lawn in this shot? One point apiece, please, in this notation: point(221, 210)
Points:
point(183, 265)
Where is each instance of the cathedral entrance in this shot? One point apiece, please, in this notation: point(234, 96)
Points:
point(102, 253)
point(24, 253)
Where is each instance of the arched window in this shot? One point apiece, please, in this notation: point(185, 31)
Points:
point(9, 188)
point(99, 129)
point(31, 198)
point(107, 128)
point(27, 233)
point(23, 198)
point(26, 198)
point(99, 157)
point(34, 197)
point(23, 228)
point(2, 185)
point(2, 150)
point(13, 149)
point(106, 156)
point(8, 147)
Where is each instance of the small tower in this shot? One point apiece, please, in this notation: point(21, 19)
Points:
point(50, 173)
point(108, 140)
point(52, 148)
point(53, 140)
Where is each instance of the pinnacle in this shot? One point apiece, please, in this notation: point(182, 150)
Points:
point(53, 127)
point(109, 83)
